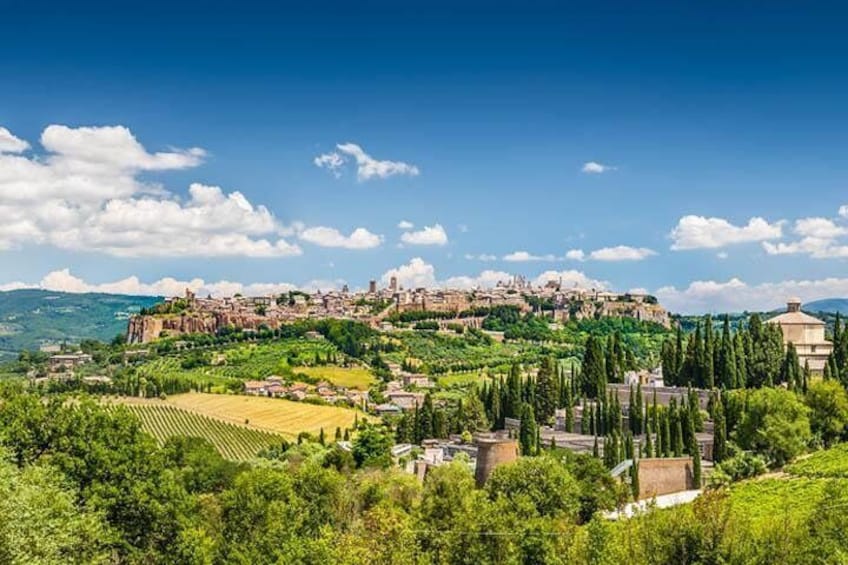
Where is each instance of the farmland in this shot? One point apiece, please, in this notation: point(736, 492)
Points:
point(234, 442)
point(349, 377)
point(828, 463)
point(271, 414)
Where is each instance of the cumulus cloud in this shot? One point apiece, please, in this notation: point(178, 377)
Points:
point(524, 256)
point(819, 238)
point(367, 167)
point(843, 210)
point(360, 238)
point(64, 281)
point(735, 295)
point(85, 194)
point(575, 255)
point(570, 278)
point(11, 144)
point(621, 253)
point(405, 225)
point(699, 232)
point(595, 168)
point(417, 273)
point(429, 235)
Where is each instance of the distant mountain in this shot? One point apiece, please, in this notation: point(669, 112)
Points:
point(30, 318)
point(832, 305)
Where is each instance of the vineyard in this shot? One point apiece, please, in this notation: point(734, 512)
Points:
point(831, 463)
point(283, 417)
point(232, 441)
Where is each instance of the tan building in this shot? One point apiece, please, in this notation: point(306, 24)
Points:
point(806, 333)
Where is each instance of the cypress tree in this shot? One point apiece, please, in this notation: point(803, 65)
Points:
point(666, 435)
point(546, 394)
point(719, 431)
point(585, 419)
point(595, 448)
point(528, 432)
point(634, 479)
point(695, 452)
point(649, 445)
point(708, 377)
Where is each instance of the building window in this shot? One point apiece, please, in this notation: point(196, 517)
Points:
point(812, 349)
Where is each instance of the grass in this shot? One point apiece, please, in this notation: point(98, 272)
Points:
point(275, 415)
point(349, 377)
point(239, 362)
point(831, 463)
point(460, 379)
point(234, 442)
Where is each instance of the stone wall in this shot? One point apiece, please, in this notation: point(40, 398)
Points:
point(665, 476)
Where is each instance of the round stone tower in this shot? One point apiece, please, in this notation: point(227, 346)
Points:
point(491, 452)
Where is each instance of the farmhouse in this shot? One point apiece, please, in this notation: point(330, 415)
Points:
point(64, 361)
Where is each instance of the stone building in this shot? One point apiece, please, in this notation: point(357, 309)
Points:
point(806, 333)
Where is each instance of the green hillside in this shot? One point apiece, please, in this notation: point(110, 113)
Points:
point(32, 317)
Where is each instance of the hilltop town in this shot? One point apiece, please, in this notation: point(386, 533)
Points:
point(383, 308)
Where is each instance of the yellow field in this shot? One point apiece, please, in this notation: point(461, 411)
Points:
point(272, 414)
point(349, 377)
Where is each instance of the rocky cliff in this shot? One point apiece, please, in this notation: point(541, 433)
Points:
point(146, 328)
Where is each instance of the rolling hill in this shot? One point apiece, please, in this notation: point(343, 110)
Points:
point(30, 318)
point(831, 305)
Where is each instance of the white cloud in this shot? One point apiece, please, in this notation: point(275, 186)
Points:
point(722, 255)
point(699, 232)
point(575, 255)
point(843, 210)
point(735, 295)
point(819, 228)
point(621, 253)
point(429, 235)
point(360, 238)
point(405, 225)
point(367, 167)
point(415, 274)
point(485, 257)
point(595, 168)
point(486, 279)
point(64, 281)
point(819, 239)
point(330, 161)
point(11, 144)
point(418, 273)
point(524, 256)
point(570, 278)
point(85, 194)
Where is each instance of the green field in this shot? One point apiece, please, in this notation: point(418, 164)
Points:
point(349, 377)
point(238, 443)
point(238, 362)
point(831, 462)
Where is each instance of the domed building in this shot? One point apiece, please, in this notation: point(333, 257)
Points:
point(806, 333)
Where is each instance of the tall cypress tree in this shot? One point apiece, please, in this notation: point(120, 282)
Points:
point(708, 372)
point(719, 430)
point(528, 432)
point(695, 453)
point(546, 393)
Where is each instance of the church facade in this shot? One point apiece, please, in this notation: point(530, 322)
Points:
point(806, 333)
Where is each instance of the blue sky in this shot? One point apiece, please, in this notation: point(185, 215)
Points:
point(722, 114)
